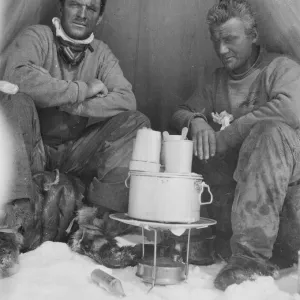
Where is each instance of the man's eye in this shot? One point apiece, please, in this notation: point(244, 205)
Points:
point(92, 9)
point(229, 39)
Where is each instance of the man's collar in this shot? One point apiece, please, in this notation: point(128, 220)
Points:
point(59, 31)
point(71, 51)
point(252, 68)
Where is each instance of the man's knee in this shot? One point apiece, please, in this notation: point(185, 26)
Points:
point(22, 99)
point(26, 103)
point(271, 129)
point(20, 104)
point(135, 119)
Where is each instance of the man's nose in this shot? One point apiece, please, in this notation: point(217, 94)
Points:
point(223, 49)
point(82, 12)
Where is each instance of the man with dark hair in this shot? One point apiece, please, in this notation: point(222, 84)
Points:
point(102, 6)
point(75, 114)
point(253, 164)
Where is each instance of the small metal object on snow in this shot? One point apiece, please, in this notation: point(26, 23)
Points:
point(108, 282)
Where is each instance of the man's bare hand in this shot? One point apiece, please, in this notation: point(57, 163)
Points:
point(96, 88)
point(8, 88)
point(204, 138)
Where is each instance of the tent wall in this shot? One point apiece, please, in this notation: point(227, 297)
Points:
point(163, 45)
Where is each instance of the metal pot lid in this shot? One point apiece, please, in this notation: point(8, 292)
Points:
point(167, 175)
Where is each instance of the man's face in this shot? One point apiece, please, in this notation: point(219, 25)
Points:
point(80, 17)
point(232, 45)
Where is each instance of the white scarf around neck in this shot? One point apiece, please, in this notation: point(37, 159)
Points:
point(61, 33)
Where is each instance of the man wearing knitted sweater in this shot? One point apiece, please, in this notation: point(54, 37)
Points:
point(254, 160)
point(76, 113)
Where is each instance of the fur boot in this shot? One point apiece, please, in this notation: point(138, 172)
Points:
point(19, 215)
point(17, 222)
point(95, 238)
point(10, 244)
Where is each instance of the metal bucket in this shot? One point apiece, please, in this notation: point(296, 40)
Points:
point(166, 197)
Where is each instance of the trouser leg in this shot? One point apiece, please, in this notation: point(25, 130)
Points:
point(287, 245)
point(218, 174)
point(29, 150)
point(101, 157)
point(29, 157)
point(267, 164)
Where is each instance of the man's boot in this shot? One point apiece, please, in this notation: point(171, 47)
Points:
point(10, 244)
point(20, 215)
point(14, 230)
point(241, 268)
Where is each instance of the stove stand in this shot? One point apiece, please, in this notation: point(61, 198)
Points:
point(164, 271)
point(173, 270)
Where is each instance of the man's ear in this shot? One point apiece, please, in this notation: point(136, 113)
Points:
point(255, 36)
point(99, 20)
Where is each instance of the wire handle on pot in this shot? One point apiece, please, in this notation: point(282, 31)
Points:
point(203, 186)
point(126, 181)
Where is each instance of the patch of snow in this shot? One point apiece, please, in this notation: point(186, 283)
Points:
point(53, 271)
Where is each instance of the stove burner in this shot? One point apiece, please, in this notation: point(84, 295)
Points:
point(168, 272)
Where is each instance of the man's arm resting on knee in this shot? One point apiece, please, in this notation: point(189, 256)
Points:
point(24, 68)
point(283, 103)
point(120, 97)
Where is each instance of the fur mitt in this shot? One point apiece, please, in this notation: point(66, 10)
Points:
point(95, 238)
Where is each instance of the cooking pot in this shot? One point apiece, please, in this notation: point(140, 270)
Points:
point(166, 197)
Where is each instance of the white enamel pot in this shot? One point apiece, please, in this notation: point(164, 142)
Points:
point(166, 197)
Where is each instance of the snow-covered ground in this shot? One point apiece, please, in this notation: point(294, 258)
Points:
point(54, 272)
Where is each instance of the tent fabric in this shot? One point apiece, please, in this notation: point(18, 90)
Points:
point(163, 45)
point(279, 25)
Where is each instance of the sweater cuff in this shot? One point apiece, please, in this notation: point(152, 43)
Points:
point(82, 91)
point(193, 116)
point(231, 135)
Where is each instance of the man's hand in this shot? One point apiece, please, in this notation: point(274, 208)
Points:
point(204, 138)
point(8, 88)
point(96, 88)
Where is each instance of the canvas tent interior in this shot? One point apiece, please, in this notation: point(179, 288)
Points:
point(163, 45)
